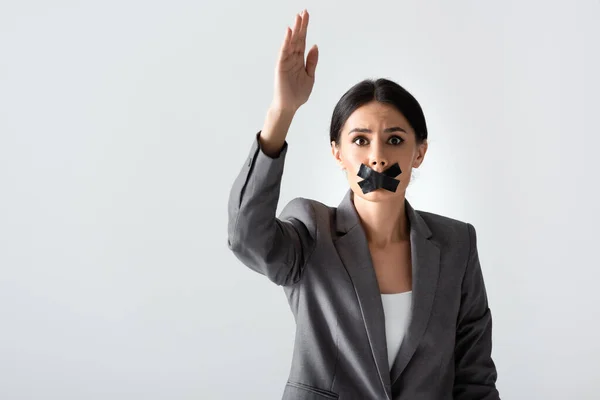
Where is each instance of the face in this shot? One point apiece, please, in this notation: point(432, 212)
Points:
point(378, 135)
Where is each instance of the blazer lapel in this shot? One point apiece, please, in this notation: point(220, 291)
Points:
point(425, 255)
point(354, 252)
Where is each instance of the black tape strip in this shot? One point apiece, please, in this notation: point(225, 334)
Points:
point(373, 180)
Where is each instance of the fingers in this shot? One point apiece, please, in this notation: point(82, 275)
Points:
point(303, 29)
point(295, 30)
point(295, 38)
point(311, 61)
point(299, 32)
point(285, 46)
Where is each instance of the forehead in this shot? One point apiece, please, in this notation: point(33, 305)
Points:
point(376, 114)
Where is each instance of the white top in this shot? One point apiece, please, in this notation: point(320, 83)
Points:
point(397, 310)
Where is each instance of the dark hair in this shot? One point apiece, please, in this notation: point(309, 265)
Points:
point(384, 91)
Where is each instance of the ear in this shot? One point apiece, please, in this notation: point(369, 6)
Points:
point(335, 151)
point(421, 150)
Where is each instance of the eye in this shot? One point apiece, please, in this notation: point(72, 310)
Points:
point(359, 138)
point(398, 140)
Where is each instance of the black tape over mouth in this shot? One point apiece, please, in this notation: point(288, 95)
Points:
point(373, 180)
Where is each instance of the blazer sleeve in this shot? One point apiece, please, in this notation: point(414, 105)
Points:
point(475, 371)
point(275, 247)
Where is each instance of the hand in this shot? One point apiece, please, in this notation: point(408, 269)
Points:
point(293, 79)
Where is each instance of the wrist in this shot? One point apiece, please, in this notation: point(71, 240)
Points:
point(282, 111)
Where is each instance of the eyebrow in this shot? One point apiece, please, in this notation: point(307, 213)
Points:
point(387, 130)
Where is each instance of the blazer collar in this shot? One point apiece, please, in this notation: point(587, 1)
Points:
point(353, 249)
point(347, 217)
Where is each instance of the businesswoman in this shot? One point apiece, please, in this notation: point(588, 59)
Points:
point(389, 301)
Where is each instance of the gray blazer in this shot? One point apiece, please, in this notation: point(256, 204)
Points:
point(320, 256)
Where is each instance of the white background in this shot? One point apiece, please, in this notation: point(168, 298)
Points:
point(124, 123)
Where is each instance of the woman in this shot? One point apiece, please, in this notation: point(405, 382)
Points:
point(389, 302)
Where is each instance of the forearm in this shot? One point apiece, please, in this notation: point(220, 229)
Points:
point(275, 129)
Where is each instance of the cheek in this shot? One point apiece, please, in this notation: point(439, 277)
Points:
point(404, 177)
point(405, 161)
point(352, 160)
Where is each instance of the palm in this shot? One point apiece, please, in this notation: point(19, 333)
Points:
point(294, 79)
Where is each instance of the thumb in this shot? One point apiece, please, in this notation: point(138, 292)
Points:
point(311, 60)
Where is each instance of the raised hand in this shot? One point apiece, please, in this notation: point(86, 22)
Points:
point(294, 79)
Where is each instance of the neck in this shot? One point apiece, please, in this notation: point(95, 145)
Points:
point(384, 222)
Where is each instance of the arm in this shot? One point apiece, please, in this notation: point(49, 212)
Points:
point(475, 371)
point(275, 247)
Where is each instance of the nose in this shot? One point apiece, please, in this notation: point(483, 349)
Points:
point(377, 160)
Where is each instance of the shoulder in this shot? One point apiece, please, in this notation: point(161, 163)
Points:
point(299, 207)
point(307, 211)
point(441, 221)
point(447, 230)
